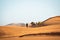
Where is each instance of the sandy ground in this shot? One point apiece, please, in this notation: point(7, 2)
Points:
point(18, 31)
point(33, 38)
point(13, 32)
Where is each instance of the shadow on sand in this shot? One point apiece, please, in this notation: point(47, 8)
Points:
point(40, 34)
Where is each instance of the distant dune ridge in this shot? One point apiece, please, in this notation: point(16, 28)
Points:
point(17, 24)
point(53, 25)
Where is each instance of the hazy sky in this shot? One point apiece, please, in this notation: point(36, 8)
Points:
point(16, 11)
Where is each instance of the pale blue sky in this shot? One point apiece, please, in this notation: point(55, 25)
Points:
point(17, 11)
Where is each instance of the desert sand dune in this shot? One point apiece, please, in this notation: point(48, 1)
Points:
point(10, 31)
point(52, 20)
point(13, 32)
